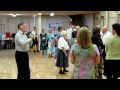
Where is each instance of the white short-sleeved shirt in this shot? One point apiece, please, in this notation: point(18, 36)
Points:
point(63, 43)
point(33, 33)
point(106, 36)
point(69, 33)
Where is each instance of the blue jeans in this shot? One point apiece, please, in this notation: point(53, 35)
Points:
point(56, 52)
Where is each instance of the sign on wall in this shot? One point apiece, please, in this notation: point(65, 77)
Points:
point(54, 27)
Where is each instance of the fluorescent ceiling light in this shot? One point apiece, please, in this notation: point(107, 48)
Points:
point(14, 15)
point(52, 14)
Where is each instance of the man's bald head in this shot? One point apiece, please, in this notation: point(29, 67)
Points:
point(104, 29)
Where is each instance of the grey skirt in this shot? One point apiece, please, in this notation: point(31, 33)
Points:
point(62, 60)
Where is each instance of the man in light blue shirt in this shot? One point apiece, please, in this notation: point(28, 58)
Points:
point(21, 55)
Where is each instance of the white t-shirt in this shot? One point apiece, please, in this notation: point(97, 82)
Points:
point(63, 43)
point(33, 33)
point(69, 33)
point(106, 36)
point(3, 37)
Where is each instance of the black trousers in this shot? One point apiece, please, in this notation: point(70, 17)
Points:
point(22, 60)
point(104, 54)
point(112, 69)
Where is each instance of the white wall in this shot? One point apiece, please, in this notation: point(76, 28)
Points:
point(1, 27)
point(110, 17)
point(11, 23)
point(88, 21)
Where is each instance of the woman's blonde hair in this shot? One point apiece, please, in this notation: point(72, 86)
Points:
point(84, 37)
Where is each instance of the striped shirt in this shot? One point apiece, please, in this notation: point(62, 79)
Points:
point(22, 42)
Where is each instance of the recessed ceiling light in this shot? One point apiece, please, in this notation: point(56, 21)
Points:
point(39, 13)
point(52, 14)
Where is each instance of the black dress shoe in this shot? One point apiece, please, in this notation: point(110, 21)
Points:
point(61, 72)
point(65, 70)
point(38, 51)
